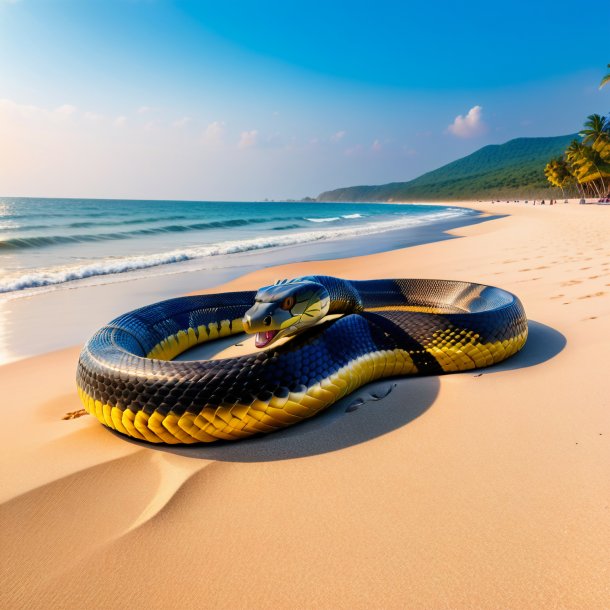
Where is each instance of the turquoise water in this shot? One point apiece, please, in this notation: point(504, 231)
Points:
point(48, 243)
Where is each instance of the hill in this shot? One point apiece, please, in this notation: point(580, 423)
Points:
point(513, 169)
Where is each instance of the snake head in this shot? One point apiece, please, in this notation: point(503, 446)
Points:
point(284, 309)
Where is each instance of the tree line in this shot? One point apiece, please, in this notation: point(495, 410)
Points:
point(585, 164)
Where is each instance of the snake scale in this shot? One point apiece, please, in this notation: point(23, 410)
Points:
point(343, 334)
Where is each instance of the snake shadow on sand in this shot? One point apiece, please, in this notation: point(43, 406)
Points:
point(373, 410)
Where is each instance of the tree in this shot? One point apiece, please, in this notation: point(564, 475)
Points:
point(558, 173)
point(586, 162)
point(582, 165)
point(595, 125)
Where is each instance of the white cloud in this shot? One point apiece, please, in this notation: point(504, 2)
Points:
point(214, 133)
point(182, 122)
point(143, 109)
point(65, 110)
point(338, 136)
point(354, 150)
point(28, 112)
point(248, 139)
point(376, 146)
point(93, 116)
point(120, 121)
point(470, 125)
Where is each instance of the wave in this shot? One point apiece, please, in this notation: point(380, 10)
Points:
point(40, 241)
point(335, 218)
point(330, 219)
point(134, 221)
point(286, 227)
point(77, 211)
point(54, 276)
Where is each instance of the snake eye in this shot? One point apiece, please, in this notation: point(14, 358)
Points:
point(287, 303)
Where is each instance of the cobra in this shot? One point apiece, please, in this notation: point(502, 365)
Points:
point(319, 339)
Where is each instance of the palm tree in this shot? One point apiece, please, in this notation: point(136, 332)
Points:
point(558, 173)
point(605, 80)
point(595, 125)
point(582, 164)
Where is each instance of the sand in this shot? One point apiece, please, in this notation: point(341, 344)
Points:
point(487, 489)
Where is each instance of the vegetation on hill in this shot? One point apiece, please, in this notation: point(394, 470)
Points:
point(584, 166)
point(514, 169)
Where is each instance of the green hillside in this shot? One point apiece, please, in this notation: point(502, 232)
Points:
point(514, 169)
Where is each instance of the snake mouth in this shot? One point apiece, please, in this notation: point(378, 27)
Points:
point(263, 339)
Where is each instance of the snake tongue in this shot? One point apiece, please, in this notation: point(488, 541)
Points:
point(265, 338)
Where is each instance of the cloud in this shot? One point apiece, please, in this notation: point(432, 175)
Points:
point(376, 146)
point(214, 133)
point(29, 112)
point(93, 116)
point(338, 136)
point(65, 110)
point(248, 139)
point(143, 109)
point(354, 150)
point(120, 121)
point(470, 125)
point(182, 122)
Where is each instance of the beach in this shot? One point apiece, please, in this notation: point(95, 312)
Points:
point(484, 489)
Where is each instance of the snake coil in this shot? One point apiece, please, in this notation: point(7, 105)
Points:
point(127, 378)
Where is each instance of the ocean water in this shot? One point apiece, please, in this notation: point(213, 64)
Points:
point(49, 244)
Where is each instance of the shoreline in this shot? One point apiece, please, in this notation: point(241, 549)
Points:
point(487, 488)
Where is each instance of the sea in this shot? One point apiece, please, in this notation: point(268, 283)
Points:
point(52, 243)
point(69, 266)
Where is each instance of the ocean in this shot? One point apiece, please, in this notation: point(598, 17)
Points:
point(50, 244)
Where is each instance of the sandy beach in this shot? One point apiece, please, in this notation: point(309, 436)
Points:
point(486, 489)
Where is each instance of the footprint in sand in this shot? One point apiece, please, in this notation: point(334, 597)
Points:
point(75, 414)
point(590, 296)
point(557, 296)
point(571, 283)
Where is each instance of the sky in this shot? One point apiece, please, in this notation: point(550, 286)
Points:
point(159, 99)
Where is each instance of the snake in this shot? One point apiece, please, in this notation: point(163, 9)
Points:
point(318, 339)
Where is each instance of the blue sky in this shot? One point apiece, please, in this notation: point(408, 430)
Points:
point(246, 100)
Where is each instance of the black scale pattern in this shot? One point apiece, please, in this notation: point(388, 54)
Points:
point(114, 370)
